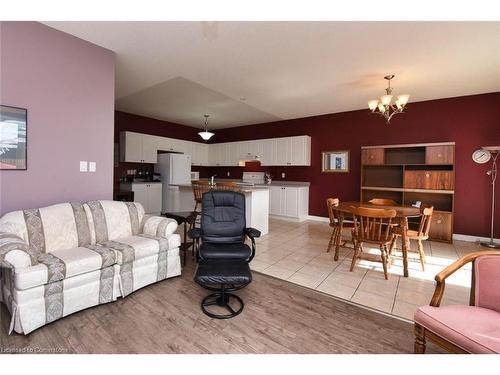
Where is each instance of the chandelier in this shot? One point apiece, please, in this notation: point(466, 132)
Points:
point(388, 106)
point(206, 135)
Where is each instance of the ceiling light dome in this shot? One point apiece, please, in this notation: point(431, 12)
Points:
point(206, 135)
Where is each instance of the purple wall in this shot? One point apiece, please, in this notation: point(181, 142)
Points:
point(67, 85)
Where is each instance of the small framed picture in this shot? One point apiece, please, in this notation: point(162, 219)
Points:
point(13, 127)
point(335, 161)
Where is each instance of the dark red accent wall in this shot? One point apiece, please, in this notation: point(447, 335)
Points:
point(470, 121)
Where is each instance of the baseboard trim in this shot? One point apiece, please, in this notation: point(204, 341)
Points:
point(456, 236)
point(318, 218)
point(467, 238)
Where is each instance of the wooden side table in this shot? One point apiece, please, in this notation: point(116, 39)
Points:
point(187, 218)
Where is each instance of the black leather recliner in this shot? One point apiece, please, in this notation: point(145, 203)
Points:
point(221, 251)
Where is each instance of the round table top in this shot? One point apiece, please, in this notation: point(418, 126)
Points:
point(401, 211)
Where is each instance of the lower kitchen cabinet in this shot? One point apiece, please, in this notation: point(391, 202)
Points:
point(149, 195)
point(289, 201)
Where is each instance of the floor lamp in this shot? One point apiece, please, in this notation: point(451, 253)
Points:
point(481, 156)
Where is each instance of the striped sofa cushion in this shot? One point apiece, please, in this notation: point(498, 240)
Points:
point(49, 229)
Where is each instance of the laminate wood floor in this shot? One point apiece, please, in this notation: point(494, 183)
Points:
point(279, 317)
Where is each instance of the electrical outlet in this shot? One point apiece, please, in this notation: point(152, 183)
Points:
point(83, 166)
point(92, 166)
point(228, 174)
point(283, 175)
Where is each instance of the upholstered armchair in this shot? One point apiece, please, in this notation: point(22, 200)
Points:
point(464, 329)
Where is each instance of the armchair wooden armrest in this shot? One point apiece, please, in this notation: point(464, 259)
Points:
point(441, 276)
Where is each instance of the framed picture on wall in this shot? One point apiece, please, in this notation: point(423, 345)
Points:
point(13, 135)
point(335, 161)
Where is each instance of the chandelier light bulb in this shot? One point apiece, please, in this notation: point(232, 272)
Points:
point(386, 99)
point(403, 99)
point(372, 104)
point(381, 107)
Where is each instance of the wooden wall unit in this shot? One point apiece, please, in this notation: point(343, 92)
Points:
point(407, 173)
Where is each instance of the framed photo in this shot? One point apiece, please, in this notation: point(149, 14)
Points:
point(335, 161)
point(13, 137)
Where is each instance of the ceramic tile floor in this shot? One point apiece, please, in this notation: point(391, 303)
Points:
point(296, 252)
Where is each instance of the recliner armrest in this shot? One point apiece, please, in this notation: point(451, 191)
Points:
point(252, 232)
point(195, 233)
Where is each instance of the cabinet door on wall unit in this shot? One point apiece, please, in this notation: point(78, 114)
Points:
point(149, 149)
point(300, 150)
point(154, 197)
point(291, 202)
point(372, 156)
point(282, 151)
point(140, 195)
point(268, 156)
point(131, 147)
point(275, 200)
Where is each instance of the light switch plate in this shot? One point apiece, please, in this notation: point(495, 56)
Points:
point(283, 175)
point(83, 166)
point(92, 166)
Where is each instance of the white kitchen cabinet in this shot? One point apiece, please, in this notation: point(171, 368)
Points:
point(299, 152)
point(235, 153)
point(219, 154)
point(289, 201)
point(268, 155)
point(199, 153)
point(282, 146)
point(276, 203)
point(138, 148)
point(169, 144)
point(284, 151)
point(147, 194)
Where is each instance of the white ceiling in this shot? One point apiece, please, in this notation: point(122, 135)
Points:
point(177, 71)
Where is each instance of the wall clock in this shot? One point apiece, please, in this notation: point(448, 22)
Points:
point(481, 156)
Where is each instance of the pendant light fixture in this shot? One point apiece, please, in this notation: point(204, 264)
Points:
point(206, 135)
point(388, 106)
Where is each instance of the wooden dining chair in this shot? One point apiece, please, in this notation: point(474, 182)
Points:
point(374, 226)
point(233, 186)
point(419, 235)
point(199, 187)
point(383, 202)
point(335, 223)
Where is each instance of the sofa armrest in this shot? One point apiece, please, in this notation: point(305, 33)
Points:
point(158, 226)
point(14, 252)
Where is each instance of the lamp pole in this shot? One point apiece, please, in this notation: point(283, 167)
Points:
point(493, 174)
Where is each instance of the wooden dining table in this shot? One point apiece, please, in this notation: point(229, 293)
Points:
point(344, 210)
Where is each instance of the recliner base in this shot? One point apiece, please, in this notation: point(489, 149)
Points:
point(222, 299)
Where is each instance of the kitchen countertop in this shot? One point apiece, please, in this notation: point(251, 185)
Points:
point(289, 183)
point(142, 182)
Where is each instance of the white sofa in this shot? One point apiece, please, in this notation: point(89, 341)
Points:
point(67, 257)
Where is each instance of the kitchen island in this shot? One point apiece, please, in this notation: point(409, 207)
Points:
point(256, 203)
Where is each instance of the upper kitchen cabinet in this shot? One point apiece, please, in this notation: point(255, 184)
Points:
point(169, 144)
point(138, 148)
point(300, 150)
point(199, 153)
point(286, 151)
point(218, 154)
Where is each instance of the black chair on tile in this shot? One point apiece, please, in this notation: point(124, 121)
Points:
point(221, 252)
